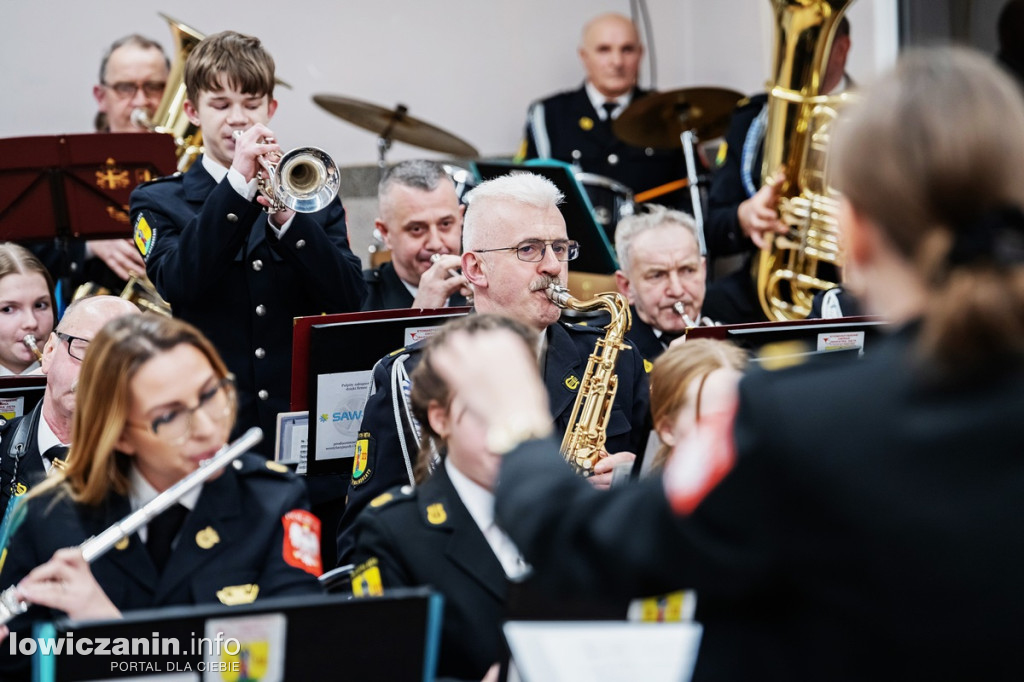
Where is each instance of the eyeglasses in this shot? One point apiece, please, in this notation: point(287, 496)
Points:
point(126, 89)
point(76, 345)
point(176, 425)
point(533, 250)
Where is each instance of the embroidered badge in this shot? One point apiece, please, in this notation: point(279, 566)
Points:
point(436, 514)
point(366, 580)
point(145, 236)
point(207, 538)
point(233, 595)
point(302, 541)
point(572, 382)
point(648, 365)
point(362, 463)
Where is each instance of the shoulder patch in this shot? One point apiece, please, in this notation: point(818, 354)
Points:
point(144, 235)
point(365, 460)
point(648, 366)
point(302, 541)
point(436, 514)
point(366, 580)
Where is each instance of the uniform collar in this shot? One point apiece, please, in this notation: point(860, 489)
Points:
point(142, 493)
point(479, 501)
point(597, 100)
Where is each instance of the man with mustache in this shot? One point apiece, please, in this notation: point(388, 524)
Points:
point(515, 244)
point(31, 443)
point(660, 266)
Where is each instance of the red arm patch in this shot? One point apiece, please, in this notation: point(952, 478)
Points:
point(302, 541)
point(701, 461)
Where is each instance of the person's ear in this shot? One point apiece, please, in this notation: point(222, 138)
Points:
point(271, 108)
point(382, 228)
point(473, 268)
point(124, 443)
point(437, 417)
point(664, 431)
point(622, 284)
point(97, 93)
point(49, 350)
point(191, 111)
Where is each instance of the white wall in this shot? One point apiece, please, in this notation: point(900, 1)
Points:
point(467, 66)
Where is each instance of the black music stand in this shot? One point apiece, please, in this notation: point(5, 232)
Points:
point(68, 186)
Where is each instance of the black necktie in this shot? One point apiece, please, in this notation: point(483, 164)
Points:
point(55, 452)
point(161, 533)
point(609, 107)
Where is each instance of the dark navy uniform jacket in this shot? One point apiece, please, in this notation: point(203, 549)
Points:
point(870, 528)
point(568, 348)
point(385, 290)
point(231, 548)
point(426, 536)
point(20, 459)
point(567, 128)
point(214, 258)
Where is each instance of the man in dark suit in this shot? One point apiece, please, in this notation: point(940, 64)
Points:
point(237, 273)
point(420, 221)
point(575, 126)
point(515, 245)
point(29, 444)
point(743, 205)
point(660, 266)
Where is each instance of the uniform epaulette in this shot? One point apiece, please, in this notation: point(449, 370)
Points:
point(392, 497)
point(396, 352)
point(163, 178)
point(254, 464)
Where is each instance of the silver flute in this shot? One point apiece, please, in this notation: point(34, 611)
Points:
point(98, 545)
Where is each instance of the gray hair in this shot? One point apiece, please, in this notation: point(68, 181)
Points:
point(133, 39)
point(416, 173)
point(630, 227)
point(519, 186)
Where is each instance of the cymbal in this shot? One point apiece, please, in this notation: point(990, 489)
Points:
point(658, 120)
point(395, 124)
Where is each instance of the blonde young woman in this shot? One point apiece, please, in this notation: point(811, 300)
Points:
point(26, 308)
point(154, 401)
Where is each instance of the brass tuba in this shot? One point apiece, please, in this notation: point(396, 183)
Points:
point(796, 140)
point(583, 443)
point(170, 115)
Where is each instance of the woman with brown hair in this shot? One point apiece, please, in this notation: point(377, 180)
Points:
point(26, 308)
point(154, 402)
point(866, 521)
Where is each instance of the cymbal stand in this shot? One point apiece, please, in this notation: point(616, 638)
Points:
point(689, 141)
point(384, 139)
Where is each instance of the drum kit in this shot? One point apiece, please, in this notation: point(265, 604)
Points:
point(665, 120)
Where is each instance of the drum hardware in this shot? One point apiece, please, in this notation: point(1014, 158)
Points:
point(394, 124)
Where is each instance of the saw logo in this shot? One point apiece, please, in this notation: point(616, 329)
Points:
point(347, 415)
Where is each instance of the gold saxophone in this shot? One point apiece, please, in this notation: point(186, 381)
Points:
point(583, 443)
point(796, 140)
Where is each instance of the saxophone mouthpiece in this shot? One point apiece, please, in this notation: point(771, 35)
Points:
point(558, 294)
point(30, 341)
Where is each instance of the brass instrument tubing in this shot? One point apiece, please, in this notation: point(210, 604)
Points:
point(30, 342)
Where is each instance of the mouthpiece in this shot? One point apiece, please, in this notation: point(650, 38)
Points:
point(678, 307)
point(558, 295)
point(30, 342)
point(140, 119)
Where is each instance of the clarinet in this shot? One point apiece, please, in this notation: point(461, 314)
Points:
point(98, 545)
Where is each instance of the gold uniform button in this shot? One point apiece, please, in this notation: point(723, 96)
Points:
point(257, 265)
point(263, 394)
point(261, 310)
point(260, 353)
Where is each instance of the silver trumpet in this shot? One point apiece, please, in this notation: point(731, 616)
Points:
point(98, 545)
point(30, 341)
point(304, 179)
point(688, 321)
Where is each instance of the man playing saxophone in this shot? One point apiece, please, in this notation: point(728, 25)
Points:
point(226, 266)
point(515, 246)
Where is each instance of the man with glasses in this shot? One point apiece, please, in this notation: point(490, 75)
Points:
point(515, 245)
point(133, 75)
point(30, 444)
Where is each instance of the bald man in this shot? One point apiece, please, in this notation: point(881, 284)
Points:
point(28, 444)
point(576, 126)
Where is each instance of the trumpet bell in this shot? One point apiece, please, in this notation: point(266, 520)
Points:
point(306, 180)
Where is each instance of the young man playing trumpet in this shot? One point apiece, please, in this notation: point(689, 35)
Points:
point(226, 266)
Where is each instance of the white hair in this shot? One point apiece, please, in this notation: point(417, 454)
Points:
point(519, 186)
point(630, 227)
